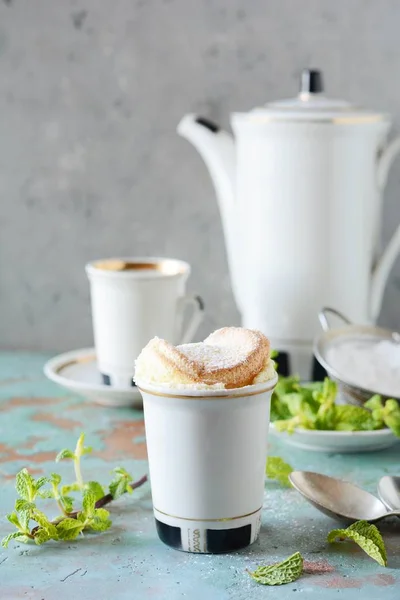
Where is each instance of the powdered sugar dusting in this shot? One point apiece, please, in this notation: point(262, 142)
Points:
point(212, 357)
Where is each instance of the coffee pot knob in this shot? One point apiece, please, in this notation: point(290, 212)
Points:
point(311, 82)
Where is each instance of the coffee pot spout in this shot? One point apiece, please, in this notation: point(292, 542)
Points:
point(217, 149)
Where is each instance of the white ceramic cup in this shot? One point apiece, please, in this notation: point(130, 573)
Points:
point(207, 454)
point(133, 300)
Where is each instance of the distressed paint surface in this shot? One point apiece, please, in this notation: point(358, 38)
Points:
point(37, 418)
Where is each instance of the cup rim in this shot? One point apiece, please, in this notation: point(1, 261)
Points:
point(222, 394)
point(139, 267)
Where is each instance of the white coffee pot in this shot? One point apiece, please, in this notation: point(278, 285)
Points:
point(300, 196)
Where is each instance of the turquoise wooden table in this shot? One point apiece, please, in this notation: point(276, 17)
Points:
point(38, 418)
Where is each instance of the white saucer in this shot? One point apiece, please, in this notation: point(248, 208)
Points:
point(77, 371)
point(338, 441)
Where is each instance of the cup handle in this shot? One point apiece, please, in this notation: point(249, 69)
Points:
point(197, 304)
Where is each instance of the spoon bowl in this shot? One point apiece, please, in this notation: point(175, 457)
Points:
point(389, 491)
point(339, 499)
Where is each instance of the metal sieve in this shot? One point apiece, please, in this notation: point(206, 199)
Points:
point(350, 393)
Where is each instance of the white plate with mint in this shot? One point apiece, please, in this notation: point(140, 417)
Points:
point(308, 416)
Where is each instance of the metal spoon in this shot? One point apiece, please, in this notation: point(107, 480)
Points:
point(389, 492)
point(339, 499)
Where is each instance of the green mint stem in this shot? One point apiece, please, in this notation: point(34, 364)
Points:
point(78, 472)
point(61, 507)
point(106, 499)
point(57, 498)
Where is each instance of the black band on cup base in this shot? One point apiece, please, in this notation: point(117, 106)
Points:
point(108, 380)
point(169, 535)
point(217, 540)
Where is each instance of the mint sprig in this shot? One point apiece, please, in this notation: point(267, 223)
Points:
point(80, 450)
point(70, 522)
point(367, 536)
point(27, 487)
point(280, 573)
point(313, 406)
point(387, 413)
point(278, 469)
point(120, 484)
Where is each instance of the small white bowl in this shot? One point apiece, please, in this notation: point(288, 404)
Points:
point(337, 441)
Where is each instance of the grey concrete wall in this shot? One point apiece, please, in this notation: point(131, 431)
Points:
point(90, 164)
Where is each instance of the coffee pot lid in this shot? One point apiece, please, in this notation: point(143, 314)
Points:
point(312, 105)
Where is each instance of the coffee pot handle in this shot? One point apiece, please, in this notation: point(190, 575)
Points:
point(385, 263)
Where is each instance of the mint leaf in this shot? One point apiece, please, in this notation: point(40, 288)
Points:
point(391, 416)
point(120, 484)
point(124, 472)
point(68, 503)
point(301, 403)
point(21, 521)
point(80, 449)
point(100, 521)
point(72, 487)
point(55, 478)
point(79, 444)
point(40, 518)
point(89, 500)
point(24, 518)
point(287, 385)
point(63, 454)
point(16, 535)
point(326, 416)
point(117, 487)
point(367, 536)
point(24, 485)
point(280, 573)
point(96, 488)
point(374, 403)
point(69, 529)
point(42, 536)
point(289, 425)
point(46, 494)
point(326, 393)
point(21, 505)
point(44, 522)
point(40, 482)
point(13, 518)
point(279, 409)
point(277, 469)
point(353, 418)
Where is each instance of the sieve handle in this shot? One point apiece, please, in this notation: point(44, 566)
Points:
point(323, 317)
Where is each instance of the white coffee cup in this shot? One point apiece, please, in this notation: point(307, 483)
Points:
point(133, 300)
point(207, 454)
